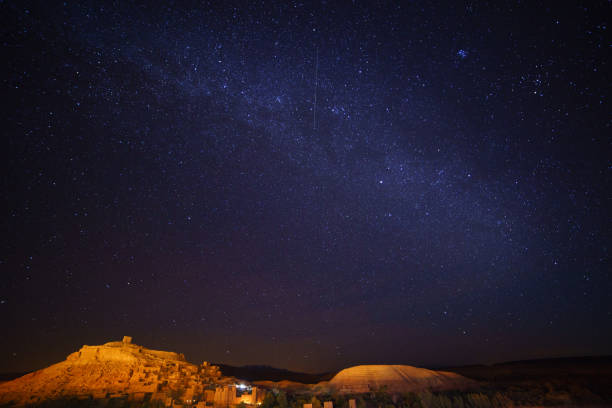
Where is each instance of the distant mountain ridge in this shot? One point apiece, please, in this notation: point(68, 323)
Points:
point(553, 360)
point(545, 367)
point(269, 373)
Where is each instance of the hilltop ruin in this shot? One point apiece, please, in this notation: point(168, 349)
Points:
point(122, 370)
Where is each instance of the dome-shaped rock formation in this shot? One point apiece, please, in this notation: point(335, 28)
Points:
point(395, 378)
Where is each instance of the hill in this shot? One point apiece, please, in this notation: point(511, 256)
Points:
point(112, 370)
point(396, 379)
point(267, 373)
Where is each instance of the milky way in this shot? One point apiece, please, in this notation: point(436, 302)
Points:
point(168, 177)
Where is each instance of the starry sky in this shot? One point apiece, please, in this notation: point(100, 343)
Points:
point(307, 185)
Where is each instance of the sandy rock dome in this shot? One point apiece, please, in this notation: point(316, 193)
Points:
point(396, 378)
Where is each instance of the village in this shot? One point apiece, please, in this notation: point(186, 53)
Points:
point(166, 378)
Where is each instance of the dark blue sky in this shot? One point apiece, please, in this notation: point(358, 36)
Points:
point(165, 177)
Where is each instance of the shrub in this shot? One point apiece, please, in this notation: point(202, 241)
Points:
point(499, 400)
point(458, 402)
point(281, 400)
point(315, 402)
point(410, 400)
point(478, 401)
point(269, 401)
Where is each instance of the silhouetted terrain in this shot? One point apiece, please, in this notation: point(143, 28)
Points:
point(557, 381)
point(263, 372)
point(534, 369)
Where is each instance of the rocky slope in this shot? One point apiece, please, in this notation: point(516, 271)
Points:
point(395, 378)
point(112, 370)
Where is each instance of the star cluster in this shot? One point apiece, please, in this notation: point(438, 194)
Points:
point(308, 186)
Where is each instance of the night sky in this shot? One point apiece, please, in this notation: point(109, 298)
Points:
point(306, 185)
